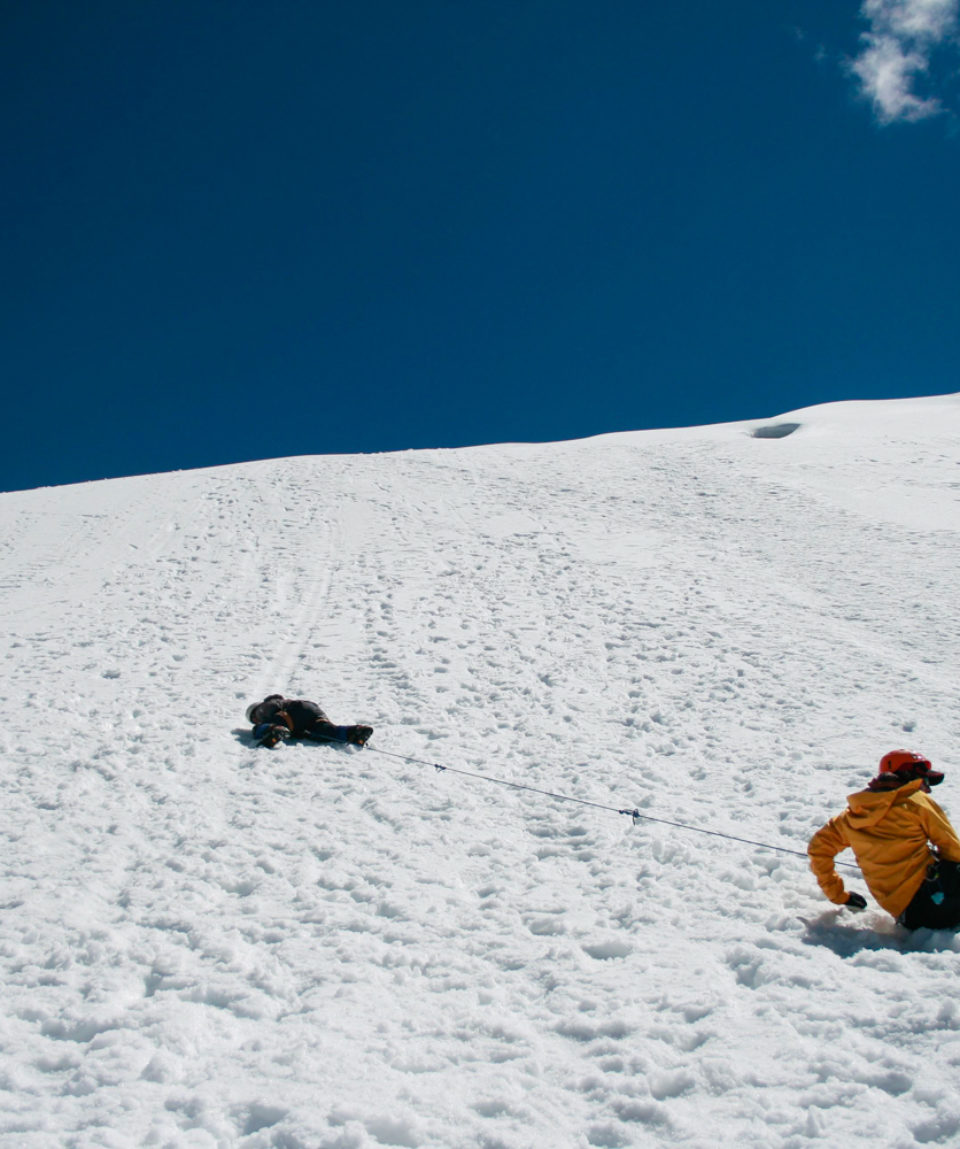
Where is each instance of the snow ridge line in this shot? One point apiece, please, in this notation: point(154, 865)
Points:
point(633, 813)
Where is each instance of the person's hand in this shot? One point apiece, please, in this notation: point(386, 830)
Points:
point(856, 901)
point(274, 735)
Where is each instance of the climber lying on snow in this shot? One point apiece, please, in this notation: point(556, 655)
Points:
point(890, 827)
point(276, 719)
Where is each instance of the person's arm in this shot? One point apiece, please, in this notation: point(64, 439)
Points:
point(940, 832)
point(824, 846)
point(277, 728)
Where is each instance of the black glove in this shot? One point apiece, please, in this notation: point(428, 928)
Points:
point(856, 901)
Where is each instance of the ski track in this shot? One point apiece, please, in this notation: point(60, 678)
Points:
point(205, 944)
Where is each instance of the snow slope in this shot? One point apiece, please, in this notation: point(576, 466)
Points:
point(207, 944)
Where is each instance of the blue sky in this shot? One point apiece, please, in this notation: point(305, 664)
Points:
point(235, 231)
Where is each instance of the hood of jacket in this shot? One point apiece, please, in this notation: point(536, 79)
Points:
point(868, 807)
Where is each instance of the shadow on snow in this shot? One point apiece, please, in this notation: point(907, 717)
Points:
point(849, 940)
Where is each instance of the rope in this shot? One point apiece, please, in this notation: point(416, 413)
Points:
point(634, 813)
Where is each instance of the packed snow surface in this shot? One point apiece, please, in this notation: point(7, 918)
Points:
point(208, 944)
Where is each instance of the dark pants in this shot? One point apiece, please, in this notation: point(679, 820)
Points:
point(323, 730)
point(936, 905)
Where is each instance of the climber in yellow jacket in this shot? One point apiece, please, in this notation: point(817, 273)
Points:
point(907, 850)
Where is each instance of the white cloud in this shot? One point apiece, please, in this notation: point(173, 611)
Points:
point(897, 50)
point(886, 73)
point(933, 19)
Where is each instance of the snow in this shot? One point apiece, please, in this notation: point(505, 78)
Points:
point(207, 944)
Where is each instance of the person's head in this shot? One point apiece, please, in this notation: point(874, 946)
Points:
point(258, 712)
point(897, 767)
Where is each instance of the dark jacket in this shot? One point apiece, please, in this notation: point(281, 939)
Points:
point(298, 714)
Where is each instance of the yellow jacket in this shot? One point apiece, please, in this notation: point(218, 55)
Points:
point(890, 832)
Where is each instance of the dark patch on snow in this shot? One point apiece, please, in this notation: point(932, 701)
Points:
point(775, 430)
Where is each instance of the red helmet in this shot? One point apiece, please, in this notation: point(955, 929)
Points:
point(896, 759)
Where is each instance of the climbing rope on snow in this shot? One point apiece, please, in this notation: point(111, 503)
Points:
point(633, 813)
